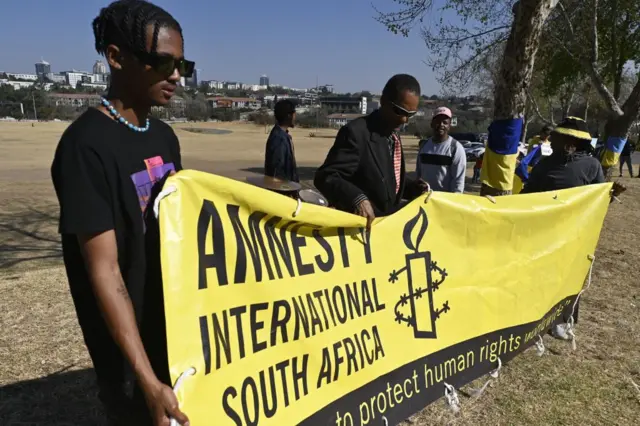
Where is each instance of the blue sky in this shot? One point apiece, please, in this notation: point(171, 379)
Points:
point(292, 41)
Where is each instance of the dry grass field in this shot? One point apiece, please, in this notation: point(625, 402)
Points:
point(45, 372)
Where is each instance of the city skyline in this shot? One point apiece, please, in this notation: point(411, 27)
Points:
point(348, 50)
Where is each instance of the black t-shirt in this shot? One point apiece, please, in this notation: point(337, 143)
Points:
point(104, 175)
point(557, 172)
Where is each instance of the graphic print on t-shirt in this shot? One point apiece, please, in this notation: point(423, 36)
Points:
point(144, 180)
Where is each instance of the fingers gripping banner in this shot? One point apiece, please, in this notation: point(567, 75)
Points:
point(291, 319)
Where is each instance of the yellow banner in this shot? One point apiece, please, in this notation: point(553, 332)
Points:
point(292, 319)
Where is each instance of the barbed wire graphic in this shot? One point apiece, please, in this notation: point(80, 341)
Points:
point(419, 293)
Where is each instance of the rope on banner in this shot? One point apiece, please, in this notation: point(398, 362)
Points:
point(540, 346)
point(636, 387)
point(426, 200)
point(490, 198)
point(452, 397)
point(477, 393)
point(170, 189)
point(570, 325)
point(190, 372)
point(496, 373)
point(298, 208)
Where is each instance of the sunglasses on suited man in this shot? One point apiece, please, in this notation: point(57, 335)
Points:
point(398, 110)
point(167, 64)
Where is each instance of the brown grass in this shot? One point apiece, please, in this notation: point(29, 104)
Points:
point(45, 375)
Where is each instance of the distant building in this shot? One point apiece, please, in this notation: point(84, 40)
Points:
point(99, 67)
point(264, 80)
point(214, 84)
point(42, 68)
point(339, 120)
point(99, 78)
point(76, 100)
point(56, 78)
point(234, 103)
point(373, 105)
point(344, 104)
point(16, 84)
point(75, 77)
point(193, 80)
point(232, 85)
point(27, 77)
point(96, 86)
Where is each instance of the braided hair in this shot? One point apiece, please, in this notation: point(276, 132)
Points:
point(124, 23)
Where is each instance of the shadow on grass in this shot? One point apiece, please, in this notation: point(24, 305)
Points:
point(319, 136)
point(64, 398)
point(306, 173)
point(207, 131)
point(30, 235)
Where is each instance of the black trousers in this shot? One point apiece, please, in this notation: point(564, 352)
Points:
point(122, 410)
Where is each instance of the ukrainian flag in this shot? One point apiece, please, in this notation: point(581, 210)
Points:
point(612, 150)
point(501, 154)
point(524, 168)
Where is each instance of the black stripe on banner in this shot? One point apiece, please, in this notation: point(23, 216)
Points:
point(408, 389)
point(436, 160)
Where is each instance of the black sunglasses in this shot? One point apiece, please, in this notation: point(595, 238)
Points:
point(398, 110)
point(167, 64)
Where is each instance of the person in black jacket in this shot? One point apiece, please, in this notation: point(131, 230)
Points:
point(570, 165)
point(280, 159)
point(625, 158)
point(364, 172)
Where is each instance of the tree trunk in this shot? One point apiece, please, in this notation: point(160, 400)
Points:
point(567, 103)
point(517, 66)
point(586, 109)
point(525, 129)
point(619, 125)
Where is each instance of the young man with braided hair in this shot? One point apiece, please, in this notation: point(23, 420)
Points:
point(107, 165)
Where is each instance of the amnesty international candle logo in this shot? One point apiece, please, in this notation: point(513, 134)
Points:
point(420, 282)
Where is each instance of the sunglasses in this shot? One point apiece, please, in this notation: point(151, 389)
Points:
point(398, 110)
point(167, 64)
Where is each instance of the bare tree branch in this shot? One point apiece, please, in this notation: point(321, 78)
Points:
point(590, 65)
point(566, 17)
point(402, 21)
point(474, 35)
point(536, 109)
point(469, 61)
point(594, 34)
point(632, 105)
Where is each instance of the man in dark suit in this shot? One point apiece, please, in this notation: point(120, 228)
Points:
point(280, 159)
point(364, 172)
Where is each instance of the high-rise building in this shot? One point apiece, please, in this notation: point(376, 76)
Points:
point(42, 69)
point(193, 80)
point(99, 67)
point(264, 80)
point(74, 77)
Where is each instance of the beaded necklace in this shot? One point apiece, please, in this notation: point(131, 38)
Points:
point(115, 114)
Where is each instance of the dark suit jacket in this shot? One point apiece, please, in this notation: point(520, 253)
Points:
point(359, 163)
point(280, 160)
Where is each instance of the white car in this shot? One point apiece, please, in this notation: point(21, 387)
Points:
point(474, 150)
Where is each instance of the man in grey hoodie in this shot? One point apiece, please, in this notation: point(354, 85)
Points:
point(442, 162)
